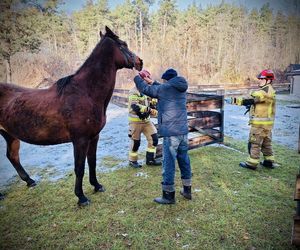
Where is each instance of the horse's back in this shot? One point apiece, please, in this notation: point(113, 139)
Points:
point(31, 115)
point(9, 90)
point(12, 87)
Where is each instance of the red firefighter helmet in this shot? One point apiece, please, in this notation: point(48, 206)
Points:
point(144, 73)
point(266, 74)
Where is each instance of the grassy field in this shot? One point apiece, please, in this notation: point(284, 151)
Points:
point(232, 208)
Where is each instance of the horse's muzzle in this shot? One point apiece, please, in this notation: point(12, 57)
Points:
point(138, 64)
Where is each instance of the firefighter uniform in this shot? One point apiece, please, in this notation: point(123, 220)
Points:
point(139, 122)
point(262, 113)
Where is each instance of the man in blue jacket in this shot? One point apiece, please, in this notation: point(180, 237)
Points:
point(173, 127)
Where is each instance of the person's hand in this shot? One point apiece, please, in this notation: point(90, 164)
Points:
point(144, 73)
point(153, 112)
point(148, 80)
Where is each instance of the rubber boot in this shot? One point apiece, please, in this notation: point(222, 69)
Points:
point(245, 165)
point(186, 192)
point(167, 198)
point(268, 164)
point(150, 161)
point(134, 164)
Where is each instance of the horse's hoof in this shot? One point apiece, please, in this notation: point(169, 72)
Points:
point(31, 183)
point(83, 202)
point(99, 189)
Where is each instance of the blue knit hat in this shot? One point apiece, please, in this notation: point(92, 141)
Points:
point(169, 74)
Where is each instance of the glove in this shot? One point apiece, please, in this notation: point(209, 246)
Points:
point(153, 112)
point(237, 101)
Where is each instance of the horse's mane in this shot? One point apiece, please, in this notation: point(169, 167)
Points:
point(62, 83)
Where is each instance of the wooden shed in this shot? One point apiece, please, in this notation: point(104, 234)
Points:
point(292, 74)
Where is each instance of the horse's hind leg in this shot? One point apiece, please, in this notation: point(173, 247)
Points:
point(91, 157)
point(12, 153)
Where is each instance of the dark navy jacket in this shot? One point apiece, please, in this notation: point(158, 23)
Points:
point(171, 106)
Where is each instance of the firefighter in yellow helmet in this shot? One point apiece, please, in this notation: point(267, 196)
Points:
point(261, 105)
point(140, 123)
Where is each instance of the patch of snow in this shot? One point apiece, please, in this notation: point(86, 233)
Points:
point(286, 127)
point(57, 160)
point(114, 143)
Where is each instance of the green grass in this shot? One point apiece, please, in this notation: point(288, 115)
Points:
point(232, 208)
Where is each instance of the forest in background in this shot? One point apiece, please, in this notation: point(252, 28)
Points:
point(224, 43)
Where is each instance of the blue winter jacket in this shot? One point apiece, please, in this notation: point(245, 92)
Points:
point(171, 106)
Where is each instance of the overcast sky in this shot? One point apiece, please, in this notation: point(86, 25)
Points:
point(283, 5)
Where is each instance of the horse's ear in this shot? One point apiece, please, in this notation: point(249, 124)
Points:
point(101, 34)
point(108, 31)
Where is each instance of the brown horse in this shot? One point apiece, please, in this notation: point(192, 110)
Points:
point(72, 110)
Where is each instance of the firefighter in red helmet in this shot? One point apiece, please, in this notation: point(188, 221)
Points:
point(140, 110)
point(261, 105)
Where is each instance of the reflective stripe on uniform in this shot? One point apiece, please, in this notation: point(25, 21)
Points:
point(133, 154)
point(261, 120)
point(151, 150)
point(252, 162)
point(136, 98)
point(269, 158)
point(270, 109)
point(254, 122)
point(137, 119)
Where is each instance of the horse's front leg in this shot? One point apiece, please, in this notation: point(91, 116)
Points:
point(91, 157)
point(80, 152)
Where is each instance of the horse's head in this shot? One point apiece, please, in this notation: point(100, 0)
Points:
point(125, 58)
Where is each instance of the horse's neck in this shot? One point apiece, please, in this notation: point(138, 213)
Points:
point(98, 74)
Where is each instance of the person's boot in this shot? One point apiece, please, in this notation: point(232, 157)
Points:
point(186, 192)
point(245, 165)
point(151, 161)
point(167, 198)
point(268, 164)
point(134, 164)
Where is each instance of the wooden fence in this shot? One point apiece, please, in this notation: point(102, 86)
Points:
point(205, 118)
point(233, 89)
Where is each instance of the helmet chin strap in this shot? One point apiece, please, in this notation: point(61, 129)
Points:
point(263, 83)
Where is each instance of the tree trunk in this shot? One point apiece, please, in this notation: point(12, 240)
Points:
point(8, 70)
point(141, 34)
point(164, 27)
point(136, 36)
